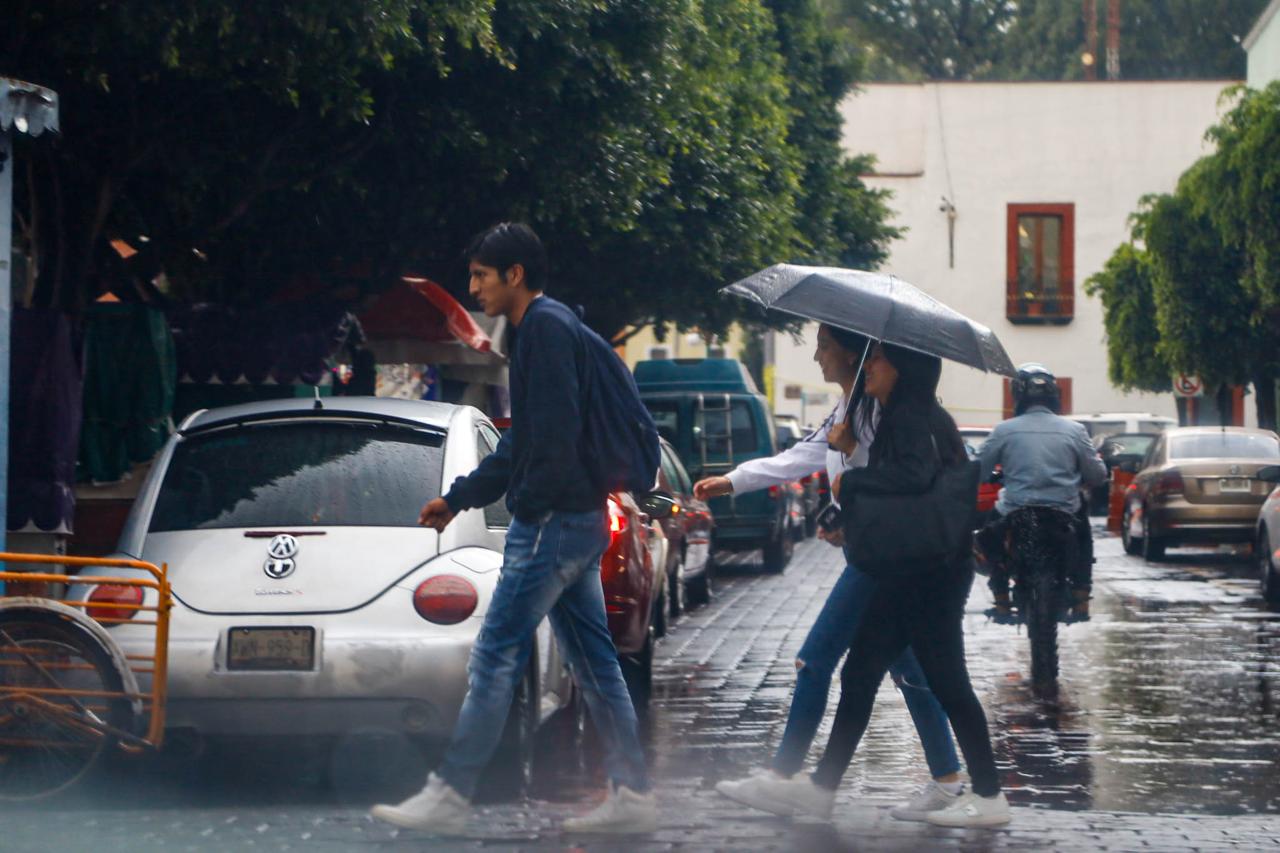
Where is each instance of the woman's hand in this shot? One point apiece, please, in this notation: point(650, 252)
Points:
point(842, 438)
point(833, 537)
point(712, 487)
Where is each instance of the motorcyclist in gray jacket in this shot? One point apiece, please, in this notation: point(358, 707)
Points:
point(1045, 460)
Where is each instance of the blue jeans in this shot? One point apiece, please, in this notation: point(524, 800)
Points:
point(828, 640)
point(550, 569)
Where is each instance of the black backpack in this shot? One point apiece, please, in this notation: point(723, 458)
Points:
point(619, 438)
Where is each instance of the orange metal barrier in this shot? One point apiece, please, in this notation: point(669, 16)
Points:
point(154, 665)
point(1120, 481)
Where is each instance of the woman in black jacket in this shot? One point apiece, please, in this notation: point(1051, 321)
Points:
point(915, 605)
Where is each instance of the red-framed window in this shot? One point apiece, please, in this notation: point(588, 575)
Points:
point(1064, 388)
point(1040, 265)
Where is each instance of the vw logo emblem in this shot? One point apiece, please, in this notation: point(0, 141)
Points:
point(283, 547)
point(280, 555)
point(1235, 469)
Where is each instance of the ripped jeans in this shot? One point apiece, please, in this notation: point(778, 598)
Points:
point(828, 640)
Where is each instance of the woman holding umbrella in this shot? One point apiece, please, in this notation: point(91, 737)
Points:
point(839, 353)
point(918, 605)
point(910, 605)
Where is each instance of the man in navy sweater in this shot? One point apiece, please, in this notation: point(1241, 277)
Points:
point(551, 564)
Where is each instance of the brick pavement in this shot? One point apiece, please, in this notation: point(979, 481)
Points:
point(722, 684)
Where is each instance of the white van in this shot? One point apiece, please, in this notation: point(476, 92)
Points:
point(1113, 423)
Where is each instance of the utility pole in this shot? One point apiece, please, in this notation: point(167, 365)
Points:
point(1090, 58)
point(1113, 39)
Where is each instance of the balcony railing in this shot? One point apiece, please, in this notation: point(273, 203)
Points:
point(1030, 308)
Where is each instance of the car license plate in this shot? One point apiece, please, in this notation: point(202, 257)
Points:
point(271, 648)
point(1234, 484)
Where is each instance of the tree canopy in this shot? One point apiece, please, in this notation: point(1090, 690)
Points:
point(1207, 270)
point(1045, 39)
point(660, 148)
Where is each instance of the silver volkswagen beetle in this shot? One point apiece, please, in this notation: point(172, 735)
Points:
point(307, 600)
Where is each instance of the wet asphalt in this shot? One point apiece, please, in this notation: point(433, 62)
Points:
point(1165, 735)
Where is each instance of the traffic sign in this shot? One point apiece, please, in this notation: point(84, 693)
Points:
point(1187, 385)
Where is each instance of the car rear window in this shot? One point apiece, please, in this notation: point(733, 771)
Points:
point(300, 475)
point(666, 416)
point(1103, 428)
point(1224, 445)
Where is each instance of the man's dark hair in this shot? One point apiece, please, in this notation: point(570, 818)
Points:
point(507, 244)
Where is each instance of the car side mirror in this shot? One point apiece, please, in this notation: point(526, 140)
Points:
point(658, 504)
point(1269, 473)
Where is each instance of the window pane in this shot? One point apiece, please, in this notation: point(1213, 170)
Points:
point(495, 514)
point(1224, 445)
point(1039, 255)
point(666, 415)
point(300, 475)
point(742, 429)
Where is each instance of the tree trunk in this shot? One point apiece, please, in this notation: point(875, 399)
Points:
point(1264, 396)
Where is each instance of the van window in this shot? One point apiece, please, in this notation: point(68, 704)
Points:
point(741, 428)
point(1218, 445)
point(1153, 426)
point(300, 475)
point(666, 415)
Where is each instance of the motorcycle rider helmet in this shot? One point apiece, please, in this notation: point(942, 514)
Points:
point(1035, 385)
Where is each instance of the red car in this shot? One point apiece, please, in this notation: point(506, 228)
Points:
point(633, 574)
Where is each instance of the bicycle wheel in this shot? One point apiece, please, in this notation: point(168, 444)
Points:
point(50, 740)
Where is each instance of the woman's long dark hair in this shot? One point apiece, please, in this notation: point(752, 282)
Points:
point(917, 386)
point(856, 345)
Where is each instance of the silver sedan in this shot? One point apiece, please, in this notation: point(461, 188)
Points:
point(307, 600)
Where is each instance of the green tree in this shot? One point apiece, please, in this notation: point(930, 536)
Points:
point(177, 118)
point(1044, 39)
point(1159, 40)
point(1126, 287)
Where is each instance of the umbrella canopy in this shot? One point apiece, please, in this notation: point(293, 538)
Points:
point(877, 305)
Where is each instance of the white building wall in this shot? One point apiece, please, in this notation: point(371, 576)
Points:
point(1263, 46)
point(1099, 146)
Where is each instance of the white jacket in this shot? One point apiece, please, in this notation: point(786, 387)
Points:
point(807, 456)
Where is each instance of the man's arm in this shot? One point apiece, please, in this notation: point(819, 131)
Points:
point(486, 483)
point(549, 357)
point(1092, 470)
point(990, 454)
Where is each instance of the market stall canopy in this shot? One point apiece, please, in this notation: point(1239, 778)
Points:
point(418, 322)
point(27, 108)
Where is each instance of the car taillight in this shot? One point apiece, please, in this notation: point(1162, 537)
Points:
point(617, 520)
point(1168, 483)
point(107, 594)
point(445, 599)
point(774, 491)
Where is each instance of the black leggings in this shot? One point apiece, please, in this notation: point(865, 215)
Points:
point(924, 612)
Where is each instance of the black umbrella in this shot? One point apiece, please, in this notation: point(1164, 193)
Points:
point(877, 305)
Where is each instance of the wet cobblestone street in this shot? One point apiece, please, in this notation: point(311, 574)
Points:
point(1166, 736)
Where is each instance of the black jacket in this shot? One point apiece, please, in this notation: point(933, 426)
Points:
point(905, 458)
point(538, 462)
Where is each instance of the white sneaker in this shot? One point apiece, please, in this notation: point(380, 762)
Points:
point(437, 809)
point(931, 798)
point(623, 811)
point(971, 810)
point(769, 792)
